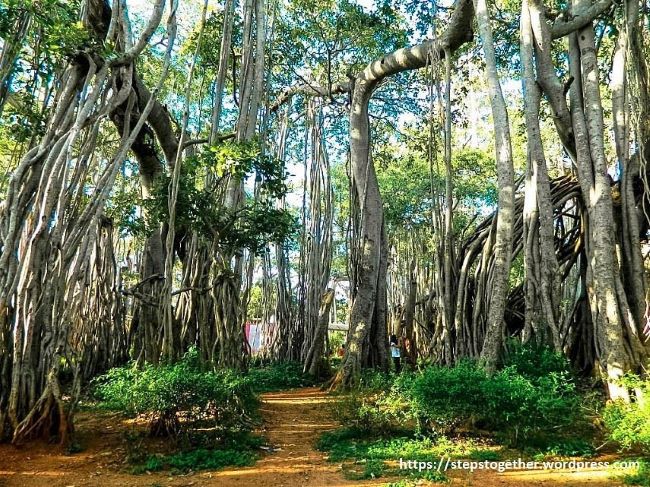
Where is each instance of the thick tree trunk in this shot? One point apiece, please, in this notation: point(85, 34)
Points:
point(314, 359)
point(617, 338)
point(541, 266)
point(47, 243)
point(506, 186)
point(364, 180)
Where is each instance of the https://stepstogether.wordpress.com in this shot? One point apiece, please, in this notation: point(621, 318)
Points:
point(444, 463)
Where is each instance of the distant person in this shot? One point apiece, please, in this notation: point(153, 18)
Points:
point(341, 351)
point(396, 353)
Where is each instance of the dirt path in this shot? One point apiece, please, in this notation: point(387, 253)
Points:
point(293, 420)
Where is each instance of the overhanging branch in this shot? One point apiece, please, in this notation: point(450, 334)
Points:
point(565, 25)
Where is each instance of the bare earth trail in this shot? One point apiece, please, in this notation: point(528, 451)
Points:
point(293, 421)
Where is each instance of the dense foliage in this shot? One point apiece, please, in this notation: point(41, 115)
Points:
point(519, 403)
point(237, 455)
point(628, 424)
point(278, 376)
point(509, 402)
point(180, 396)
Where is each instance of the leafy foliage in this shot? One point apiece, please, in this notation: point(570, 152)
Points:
point(339, 35)
point(179, 396)
point(375, 413)
point(407, 182)
point(506, 402)
point(199, 204)
point(122, 206)
point(536, 361)
point(199, 459)
point(380, 406)
point(629, 424)
point(277, 376)
point(248, 227)
point(60, 32)
point(53, 36)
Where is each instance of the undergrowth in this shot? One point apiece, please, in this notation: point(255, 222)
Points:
point(195, 460)
point(639, 477)
point(532, 408)
point(364, 457)
point(628, 424)
point(205, 415)
point(278, 376)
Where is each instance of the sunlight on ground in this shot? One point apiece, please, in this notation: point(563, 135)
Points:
point(549, 475)
point(296, 468)
point(33, 474)
point(297, 401)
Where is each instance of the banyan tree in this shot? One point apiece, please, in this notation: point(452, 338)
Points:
point(171, 184)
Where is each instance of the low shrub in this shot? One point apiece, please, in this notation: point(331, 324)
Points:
point(536, 361)
point(375, 381)
point(200, 459)
point(178, 396)
point(382, 413)
point(507, 402)
point(640, 476)
point(628, 424)
point(277, 376)
point(443, 398)
point(380, 405)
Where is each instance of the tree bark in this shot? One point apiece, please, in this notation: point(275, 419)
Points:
point(364, 180)
point(506, 185)
point(617, 339)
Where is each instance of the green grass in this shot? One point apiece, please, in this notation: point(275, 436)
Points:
point(194, 460)
point(364, 457)
point(566, 447)
point(433, 476)
point(235, 451)
point(349, 443)
point(640, 477)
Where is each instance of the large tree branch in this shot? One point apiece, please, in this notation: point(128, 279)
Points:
point(309, 89)
point(458, 32)
point(547, 75)
point(565, 25)
point(548, 79)
point(98, 21)
point(160, 121)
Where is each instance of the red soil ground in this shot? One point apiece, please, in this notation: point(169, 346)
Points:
point(293, 420)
